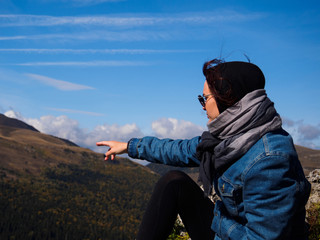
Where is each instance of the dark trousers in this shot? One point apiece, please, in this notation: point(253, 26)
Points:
point(176, 193)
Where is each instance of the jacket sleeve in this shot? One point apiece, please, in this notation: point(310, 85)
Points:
point(269, 200)
point(166, 151)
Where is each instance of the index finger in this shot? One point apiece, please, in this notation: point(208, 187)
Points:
point(103, 143)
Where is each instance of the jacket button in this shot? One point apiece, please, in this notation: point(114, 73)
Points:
point(222, 189)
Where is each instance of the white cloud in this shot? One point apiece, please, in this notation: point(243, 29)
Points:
point(72, 86)
point(93, 2)
point(93, 51)
point(309, 132)
point(64, 127)
point(130, 36)
point(175, 129)
point(303, 134)
point(112, 132)
point(127, 27)
point(67, 128)
point(61, 85)
point(83, 3)
point(76, 111)
point(132, 21)
point(13, 114)
point(61, 126)
point(13, 38)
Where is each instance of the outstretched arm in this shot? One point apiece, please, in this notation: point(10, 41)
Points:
point(166, 151)
point(114, 148)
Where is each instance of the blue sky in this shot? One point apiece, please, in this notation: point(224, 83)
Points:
point(91, 70)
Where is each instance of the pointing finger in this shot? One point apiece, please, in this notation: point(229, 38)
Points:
point(103, 143)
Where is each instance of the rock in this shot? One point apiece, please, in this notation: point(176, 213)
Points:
point(314, 176)
point(314, 179)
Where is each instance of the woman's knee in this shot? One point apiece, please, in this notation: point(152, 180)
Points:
point(174, 176)
point(173, 180)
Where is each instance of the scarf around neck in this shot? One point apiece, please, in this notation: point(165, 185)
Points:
point(233, 133)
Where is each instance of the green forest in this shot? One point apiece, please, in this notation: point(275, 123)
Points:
point(94, 200)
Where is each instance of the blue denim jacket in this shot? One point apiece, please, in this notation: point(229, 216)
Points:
point(263, 194)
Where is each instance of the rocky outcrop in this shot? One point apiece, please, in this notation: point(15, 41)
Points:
point(314, 179)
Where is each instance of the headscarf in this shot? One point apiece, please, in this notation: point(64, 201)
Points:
point(232, 81)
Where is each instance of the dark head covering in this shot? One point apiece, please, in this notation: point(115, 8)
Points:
point(232, 81)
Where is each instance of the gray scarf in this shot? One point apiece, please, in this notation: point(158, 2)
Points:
point(233, 133)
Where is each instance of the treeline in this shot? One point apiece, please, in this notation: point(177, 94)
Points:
point(76, 202)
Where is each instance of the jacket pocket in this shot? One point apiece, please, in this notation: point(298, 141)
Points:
point(231, 196)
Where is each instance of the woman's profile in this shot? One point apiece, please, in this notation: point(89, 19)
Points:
point(245, 156)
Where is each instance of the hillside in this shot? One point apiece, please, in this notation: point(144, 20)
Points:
point(53, 189)
point(11, 122)
point(23, 150)
point(309, 158)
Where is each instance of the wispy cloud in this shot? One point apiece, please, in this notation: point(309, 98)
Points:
point(82, 3)
point(93, 51)
point(61, 85)
point(133, 21)
point(5, 38)
point(76, 111)
point(133, 35)
point(87, 64)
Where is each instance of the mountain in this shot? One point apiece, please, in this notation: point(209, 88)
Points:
point(52, 189)
point(26, 149)
point(309, 158)
point(12, 122)
point(15, 123)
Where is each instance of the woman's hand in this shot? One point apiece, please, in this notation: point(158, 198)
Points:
point(114, 148)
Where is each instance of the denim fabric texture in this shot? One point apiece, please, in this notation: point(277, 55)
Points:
point(263, 194)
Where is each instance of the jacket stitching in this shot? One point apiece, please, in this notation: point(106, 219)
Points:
point(266, 145)
point(231, 228)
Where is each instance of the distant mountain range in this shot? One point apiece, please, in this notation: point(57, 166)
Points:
point(310, 158)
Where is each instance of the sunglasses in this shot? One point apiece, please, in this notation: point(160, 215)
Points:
point(203, 99)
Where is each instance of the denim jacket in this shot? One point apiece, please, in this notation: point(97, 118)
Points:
point(263, 194)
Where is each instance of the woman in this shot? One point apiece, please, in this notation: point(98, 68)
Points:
point(245, 155)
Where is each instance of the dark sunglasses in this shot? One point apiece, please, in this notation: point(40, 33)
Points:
point(203, 99)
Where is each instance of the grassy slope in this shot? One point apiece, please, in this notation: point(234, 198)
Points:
point(52, 190)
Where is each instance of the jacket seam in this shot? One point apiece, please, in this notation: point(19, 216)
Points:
point(235, 186)
point(247, 169)
point(233, 226)
point(266, 145)
point(259, 158)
